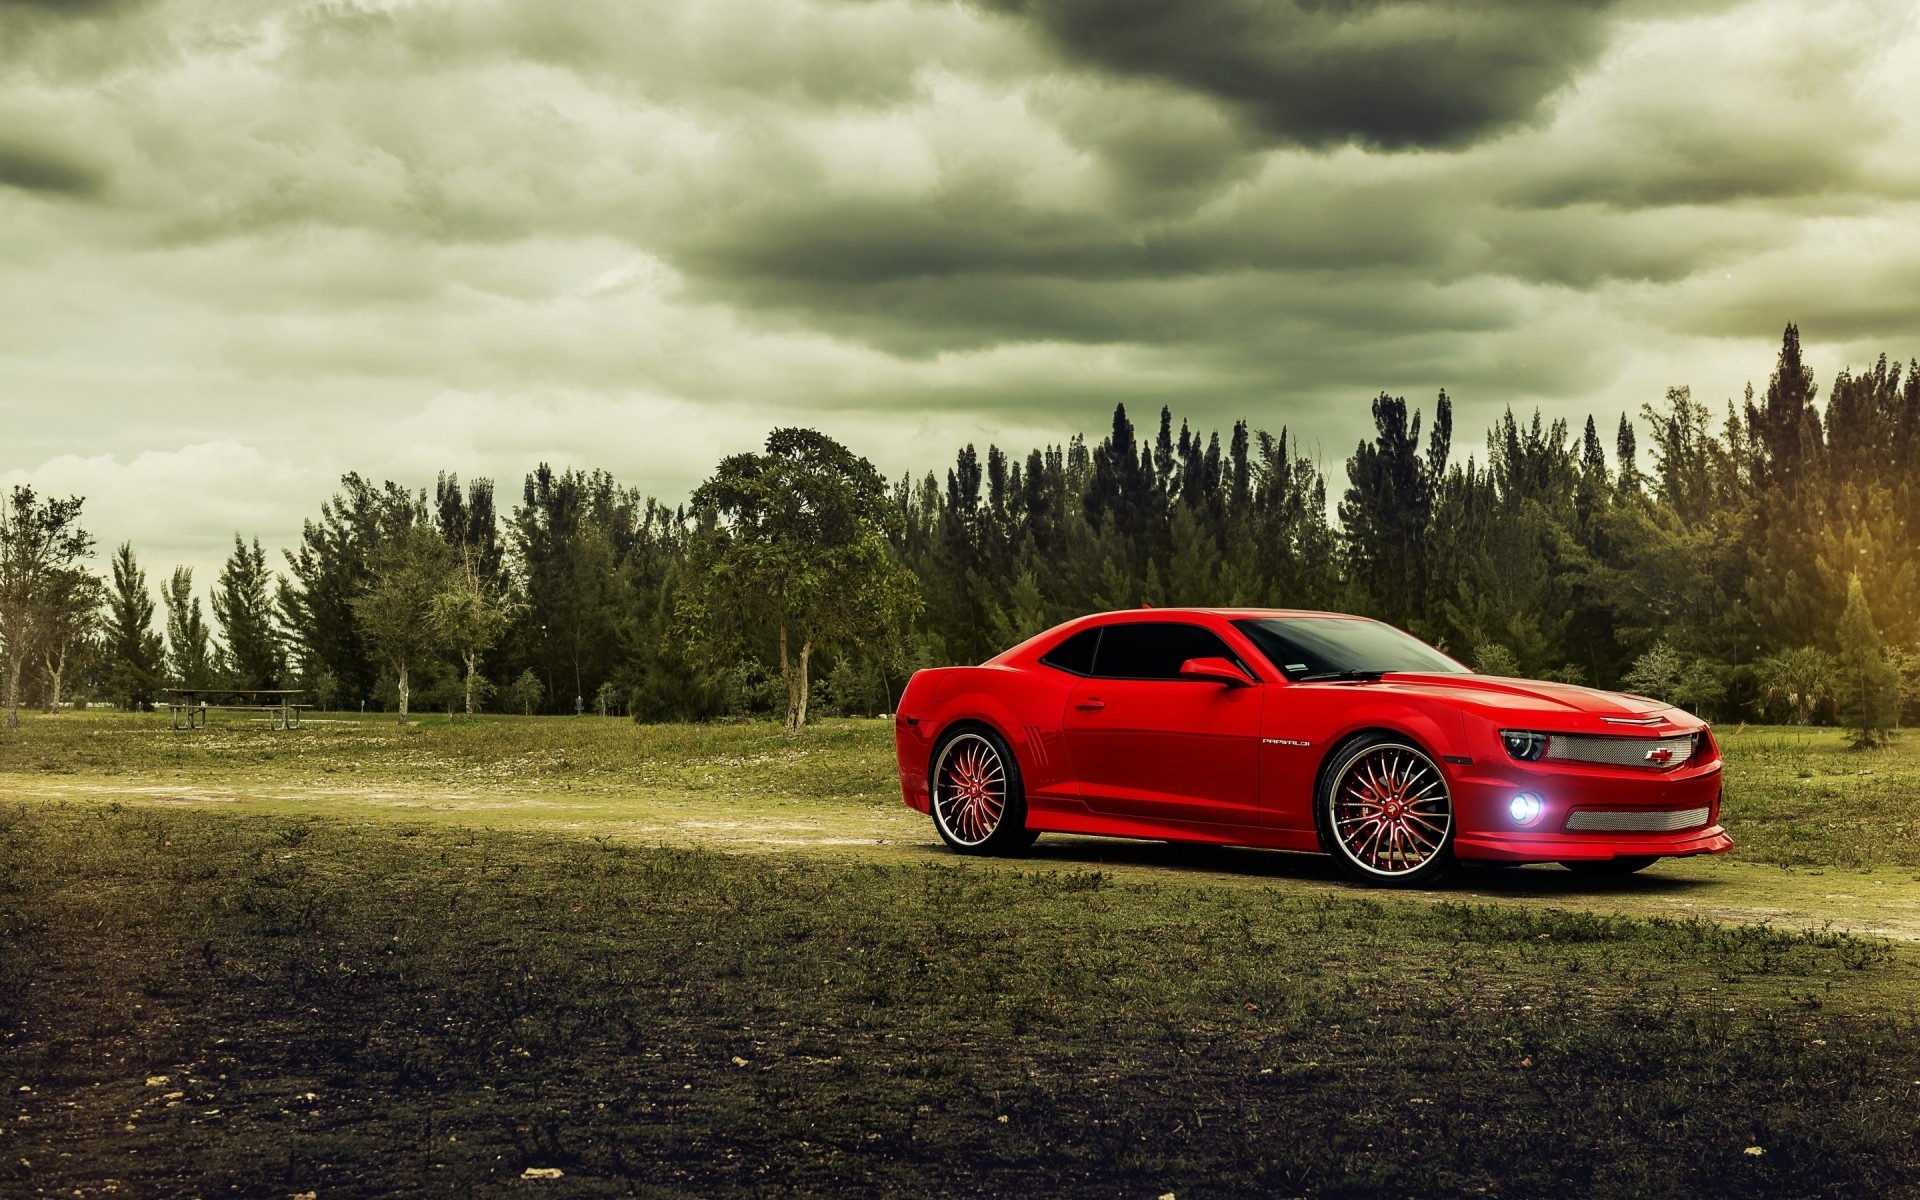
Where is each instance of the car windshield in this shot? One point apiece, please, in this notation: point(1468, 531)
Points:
point(1333, 647)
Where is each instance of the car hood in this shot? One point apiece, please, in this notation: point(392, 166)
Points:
point(1562, 707)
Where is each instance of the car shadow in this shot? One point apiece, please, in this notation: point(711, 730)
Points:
point(1470, 879)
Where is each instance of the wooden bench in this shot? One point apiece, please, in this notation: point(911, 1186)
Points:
point(188, 707)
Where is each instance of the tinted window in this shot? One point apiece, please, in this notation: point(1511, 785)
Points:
point(1155, 650)
point(1301, 646)
point(1075, 654)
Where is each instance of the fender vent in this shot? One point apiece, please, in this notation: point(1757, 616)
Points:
point(1039, 768)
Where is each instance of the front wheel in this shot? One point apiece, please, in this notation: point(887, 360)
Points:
point(979, 805)
point(1385, 813)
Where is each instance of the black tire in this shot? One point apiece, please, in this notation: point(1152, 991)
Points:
point(1624, 865)
point(978, 802)
point(1385, 813)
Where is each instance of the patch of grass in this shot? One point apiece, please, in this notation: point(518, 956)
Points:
point(1798, 797)
point(1795, 797)
point(200, 1003)
point(836, 759)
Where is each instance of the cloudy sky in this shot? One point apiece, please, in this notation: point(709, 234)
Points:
point(248, 246)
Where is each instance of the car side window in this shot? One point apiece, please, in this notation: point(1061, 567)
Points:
point(1075, 654)
point(1155, 649)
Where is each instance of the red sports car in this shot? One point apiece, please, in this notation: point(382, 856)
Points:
point(1300, 731)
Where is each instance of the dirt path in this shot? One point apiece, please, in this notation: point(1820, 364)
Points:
point(1882, 902)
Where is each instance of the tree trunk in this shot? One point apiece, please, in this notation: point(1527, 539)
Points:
point(57, 669)
point(403, 693)
point(786, 677)
point(13, 691)
point(806, 652)
point(470, 658)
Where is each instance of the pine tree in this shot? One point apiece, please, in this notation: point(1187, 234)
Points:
point(190, 650)
point(1869, 689)
point(135, 652)
point(1388, 507)
point(242, 605)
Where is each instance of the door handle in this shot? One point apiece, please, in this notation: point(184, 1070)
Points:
point(1090, 703)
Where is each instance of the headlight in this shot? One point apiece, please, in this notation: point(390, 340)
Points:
point(1524, 745)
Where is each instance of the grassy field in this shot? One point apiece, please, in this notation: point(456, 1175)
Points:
point(358, 960)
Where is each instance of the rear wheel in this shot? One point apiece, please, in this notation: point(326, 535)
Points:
point(979, 805)
point(1385, 813)
point(1625, 865)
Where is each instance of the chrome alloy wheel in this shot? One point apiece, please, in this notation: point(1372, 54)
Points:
point(1390, 811)
point(969, 789)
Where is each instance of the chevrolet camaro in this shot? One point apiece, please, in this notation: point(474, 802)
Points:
point(1300, 731)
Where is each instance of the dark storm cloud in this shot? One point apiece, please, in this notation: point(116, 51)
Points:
point(46, 169)
point(67, 7)
point(526, 229)
point(1381, 72)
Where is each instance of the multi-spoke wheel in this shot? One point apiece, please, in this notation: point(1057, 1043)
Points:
point(1385, 812)
point(979, 806)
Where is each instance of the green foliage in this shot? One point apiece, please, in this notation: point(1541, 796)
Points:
point(1491, 658)
point(1801, 680)
point(796, 540)
point(396, 612)
point(1870, 688)
point(331, 568)
point(1732, 545)
point(1664, 673)
point(190, 649)
point(525, 694)
point(470, 618)
point(134, 651)
point(242, 605)
point(42, 595)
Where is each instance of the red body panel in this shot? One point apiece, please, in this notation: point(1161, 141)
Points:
point(1195, 760)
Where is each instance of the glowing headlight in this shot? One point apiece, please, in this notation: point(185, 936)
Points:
point(1524, 744)
point(1525, 808)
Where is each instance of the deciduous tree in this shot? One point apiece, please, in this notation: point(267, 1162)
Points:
point(74, 604)
point(470, 618)
point(395, 612)
point(41, 542)
point(795, 540)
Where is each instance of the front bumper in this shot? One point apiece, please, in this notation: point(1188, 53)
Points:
point(1567, 847)
point(1484, 789)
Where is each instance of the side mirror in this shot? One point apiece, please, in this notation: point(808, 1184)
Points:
point(1215, 670)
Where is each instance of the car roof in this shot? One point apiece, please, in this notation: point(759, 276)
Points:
point(1146, 613)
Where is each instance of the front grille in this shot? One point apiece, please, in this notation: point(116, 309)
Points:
point(1623, 751)
point(1635, 822)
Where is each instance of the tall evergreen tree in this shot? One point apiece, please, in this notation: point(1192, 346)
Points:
point(135, 653)
point(191, 654)
point(242, 605)
point(1869, 688)
point(331, 568)
point(1388, 506)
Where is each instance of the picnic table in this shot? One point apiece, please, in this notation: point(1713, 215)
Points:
point(192, 705)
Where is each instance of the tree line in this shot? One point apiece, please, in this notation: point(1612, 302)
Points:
point(1756, 562)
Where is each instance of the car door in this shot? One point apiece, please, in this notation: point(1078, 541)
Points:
point(1146, 743)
